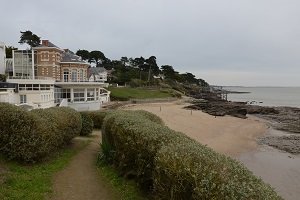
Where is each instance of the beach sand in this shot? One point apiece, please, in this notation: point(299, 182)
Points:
point(229, 135)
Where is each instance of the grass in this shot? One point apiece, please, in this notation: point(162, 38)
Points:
point(138, 93)
point(126, 189)
point(33, 182)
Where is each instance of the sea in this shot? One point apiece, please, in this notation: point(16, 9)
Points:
point(266, 96)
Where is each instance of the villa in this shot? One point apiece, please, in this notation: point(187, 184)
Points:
point(48, 76)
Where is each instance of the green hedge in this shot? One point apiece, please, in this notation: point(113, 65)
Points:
point(173, 166)
point(97, 117)
point(30, 136)
point(87, 124)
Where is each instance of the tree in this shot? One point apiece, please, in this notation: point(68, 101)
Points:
point(9, 50)
point(168, 71)
point(97, 57)
point(151, 62)
point(29, 38)
point(124, 60)
point(84, 54)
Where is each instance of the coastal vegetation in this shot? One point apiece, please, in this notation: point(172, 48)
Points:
point(169, 165)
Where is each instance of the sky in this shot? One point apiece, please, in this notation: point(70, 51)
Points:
point(225, 42)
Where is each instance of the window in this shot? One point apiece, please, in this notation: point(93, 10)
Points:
point(28, 86)
point(90, 94)
point(74, 75)
point(81, 75)
point(36, 87)
point(66, 75)
point(23, 99)
point(78, 95)
point(97, 94)
point(22, 87)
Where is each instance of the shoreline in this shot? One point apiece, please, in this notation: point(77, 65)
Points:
point(285, 119)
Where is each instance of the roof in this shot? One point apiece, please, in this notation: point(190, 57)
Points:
point(50, 44)
point(97, 70)
point(69, 56)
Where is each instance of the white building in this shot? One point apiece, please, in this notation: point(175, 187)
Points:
point(48, 76)
point(2, 58)
point(98, 74)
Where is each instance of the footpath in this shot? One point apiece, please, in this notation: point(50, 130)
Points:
point(80, 180)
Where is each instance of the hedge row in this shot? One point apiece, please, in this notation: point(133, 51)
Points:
point(87, 124)
point(97, 117)
point(31, 135)
point(173, 166)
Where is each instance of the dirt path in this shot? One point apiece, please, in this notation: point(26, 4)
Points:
point(80, 180)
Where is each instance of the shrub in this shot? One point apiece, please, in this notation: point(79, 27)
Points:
point(23, 135)
point(30, 136)
point(68, 121)
point(189, 170)
point(97, 117)
point(87, 124)
point(148, 115)
point(172, 165)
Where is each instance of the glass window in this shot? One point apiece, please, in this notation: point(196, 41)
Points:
point(78, 95)
point(28, 86)
point(23, 99)
point(74, 75)
point(81, 75)
point(66, 75)
point(91, 94)
point(36, 87)
point(22, 87)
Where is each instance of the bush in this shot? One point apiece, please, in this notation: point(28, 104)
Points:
point(68, 121)
point(30, 136)
point(150, 116)
point(172, 165)
point(87, 124)
point(97, 117)
point(189, 170)
point(23, 135)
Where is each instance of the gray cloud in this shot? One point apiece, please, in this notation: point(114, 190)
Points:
point(232, 42)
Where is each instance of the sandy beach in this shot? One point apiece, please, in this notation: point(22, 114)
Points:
point(229, 135)
point(236, 138)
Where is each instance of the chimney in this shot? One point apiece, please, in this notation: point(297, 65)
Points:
point(45, 43)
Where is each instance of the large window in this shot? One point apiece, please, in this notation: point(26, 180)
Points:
point(90, 94)
point(66, 75)
point(74, 75)
point(23, 99)
point(78, 95)
point(81, 75)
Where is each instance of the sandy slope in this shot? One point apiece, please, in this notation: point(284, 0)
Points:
point(228, 135)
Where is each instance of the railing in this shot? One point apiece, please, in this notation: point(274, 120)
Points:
point(31, 78)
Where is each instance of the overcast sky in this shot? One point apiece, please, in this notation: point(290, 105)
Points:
point(226, 42)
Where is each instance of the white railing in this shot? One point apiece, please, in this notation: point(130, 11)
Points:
point(31, 78)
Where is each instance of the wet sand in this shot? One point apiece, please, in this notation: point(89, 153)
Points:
point(236, 138)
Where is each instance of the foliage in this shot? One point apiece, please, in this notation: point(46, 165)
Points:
point(173, 166)
point(3, 78)
point(126, 189)
point(27, 182)
point(29, 38)
point(9, 50)
point(87, 124)
point(31, 136)
point(97, 117)
point(84, 54)
point(97, 57)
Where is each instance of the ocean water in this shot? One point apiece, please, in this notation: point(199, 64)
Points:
point(267, 96)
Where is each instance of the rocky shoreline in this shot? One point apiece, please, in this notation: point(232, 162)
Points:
point(286, 119)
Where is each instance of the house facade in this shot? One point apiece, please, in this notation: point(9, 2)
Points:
point(48, 76)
